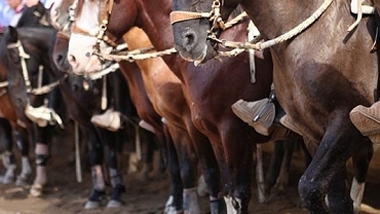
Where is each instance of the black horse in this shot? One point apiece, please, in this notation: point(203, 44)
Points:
point(81, 103)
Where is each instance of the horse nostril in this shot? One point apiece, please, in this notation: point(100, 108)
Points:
point(60, 59)
point(189, 40)
point(71, 59)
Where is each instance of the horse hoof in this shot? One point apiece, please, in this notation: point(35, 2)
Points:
point(114, 204)
point(36, 190)
point(92, 205)
point(22, 181)
point(8, 179)
point(172, 210)
point(202, 189)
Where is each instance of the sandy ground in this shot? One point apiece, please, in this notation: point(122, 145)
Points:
point(64, 195)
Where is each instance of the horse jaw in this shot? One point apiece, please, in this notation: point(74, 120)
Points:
point(80, 54)
point(198, 60)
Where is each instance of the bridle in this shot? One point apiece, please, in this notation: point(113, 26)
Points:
point(214, 16)
point(40, 90)
point(102, 35)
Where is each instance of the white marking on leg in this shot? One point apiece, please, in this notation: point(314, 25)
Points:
point(357, 192)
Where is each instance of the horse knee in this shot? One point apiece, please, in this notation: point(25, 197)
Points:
point(311, 194)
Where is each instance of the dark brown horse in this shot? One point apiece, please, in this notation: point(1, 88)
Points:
point(207, 88)
point(319, 76)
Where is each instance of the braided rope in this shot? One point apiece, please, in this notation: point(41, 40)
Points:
point(288, 35)
point(4, 84)
point(137, 55)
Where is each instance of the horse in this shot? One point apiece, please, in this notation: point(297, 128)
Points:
point(8, 113)
point(316, 87)
point(207, 92)
point(162, 89)
point(32, 16)
point(83, 100)
point(136, 90)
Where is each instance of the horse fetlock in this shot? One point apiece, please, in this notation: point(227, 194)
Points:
point(170, 208)
point(41, 159)
point(190, 201)
point(218, 206)
point(37, 190)
point(117, 191)
point(96, 199)
point(311, 196)
point(23, 179)
point(233, 205)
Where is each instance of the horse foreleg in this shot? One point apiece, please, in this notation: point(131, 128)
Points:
point(327, 168)
point(95, 150)
point(118, 187)
point(338, 195)
point(361, 160)
point(6, 149)
point(26, 169)
point(283, 178)
point(239, 155)
point(42, 155)
point(210, 172)
point(274, 166)
point(175, 202)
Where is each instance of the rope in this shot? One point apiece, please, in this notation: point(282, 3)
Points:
point(135, 56)
point(4, 84)
point(290, 34)
point(45, 89)
point(235, 20)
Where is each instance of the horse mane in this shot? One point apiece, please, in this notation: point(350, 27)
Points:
point(4, 42)
point(78, 9)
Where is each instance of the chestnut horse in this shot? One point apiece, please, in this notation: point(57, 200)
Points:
point(207, 88)
point(164, 90)
point(316, 85)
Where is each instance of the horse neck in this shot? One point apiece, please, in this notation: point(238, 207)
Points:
point(281, 16)
point(156, 24)
point(40, 43)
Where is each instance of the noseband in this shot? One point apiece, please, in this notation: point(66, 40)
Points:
point(214, 16)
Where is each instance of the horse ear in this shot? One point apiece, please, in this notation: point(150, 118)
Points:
point(13, 32)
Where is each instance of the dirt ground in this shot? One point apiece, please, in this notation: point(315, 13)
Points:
point(64, 195)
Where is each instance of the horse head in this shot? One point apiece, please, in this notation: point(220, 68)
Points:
point(192, 28)
point(62, 14)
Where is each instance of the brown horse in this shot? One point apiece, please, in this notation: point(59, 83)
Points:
point(164, 90)
point(317, 85)
point(8, 112)
point(207, 88)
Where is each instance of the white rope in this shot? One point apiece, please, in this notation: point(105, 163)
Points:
point(134, 57)
point(45, 89)
point(288, 35)
point(4, 84)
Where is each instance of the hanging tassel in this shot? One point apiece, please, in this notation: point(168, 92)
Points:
point(104, 94)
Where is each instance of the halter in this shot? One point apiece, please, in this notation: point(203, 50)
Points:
point(102, 35)
point(214, 16)
point(23, 57)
